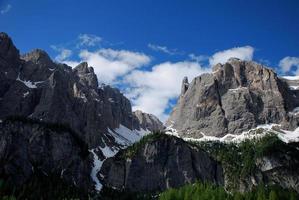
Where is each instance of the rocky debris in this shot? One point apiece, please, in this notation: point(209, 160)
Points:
point(158, 164)
point(235, 97)
point(28, 146)
point(148, 121)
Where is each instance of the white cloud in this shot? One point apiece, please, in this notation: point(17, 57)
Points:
point(89, 40)
point(110, 64)
point(288, 62)
point(198, 58)
point(243, 53)
point(163, 49)
point(64, 53)
point(151, 91)
point(6, 9)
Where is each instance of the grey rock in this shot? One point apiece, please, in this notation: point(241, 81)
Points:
point(148, 121)
point(235, 97)
point(28, 147)
point(277, 168)
point(160, 164)
point(86, 75)
point(36, 87)
point(185, 85)
point(9, 58)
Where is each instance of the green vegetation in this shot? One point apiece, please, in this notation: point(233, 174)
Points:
point(239, 159)
point(111, 194)
point(55, 127)
point(200, 191)
point(132, 150)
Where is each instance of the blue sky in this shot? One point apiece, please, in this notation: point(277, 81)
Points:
point(142, 42)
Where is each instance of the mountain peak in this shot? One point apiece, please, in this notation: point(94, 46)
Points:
point(38, 56)
point(8, 49)
point(236, 97)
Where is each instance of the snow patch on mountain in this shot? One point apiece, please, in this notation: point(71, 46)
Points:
point(123, 136)
point(29, 83)
point(284, 135)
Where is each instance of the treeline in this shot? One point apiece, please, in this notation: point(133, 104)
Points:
point(205, 191)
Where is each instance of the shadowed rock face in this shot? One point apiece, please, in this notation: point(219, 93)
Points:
point(148, 121)
point(160, 164)
point(235, 97)
point(34, 86)
point(28, 147)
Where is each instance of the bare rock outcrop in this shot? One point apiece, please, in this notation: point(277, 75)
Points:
point(235, 97)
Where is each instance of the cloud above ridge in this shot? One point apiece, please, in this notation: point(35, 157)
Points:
point(243, 53)
point(152, 88)
point(287, 63)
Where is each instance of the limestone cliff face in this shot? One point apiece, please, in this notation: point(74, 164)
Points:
point(148, 121)
point(34, 86)
point(28, 147)
point(235, 97)
point(158, 164)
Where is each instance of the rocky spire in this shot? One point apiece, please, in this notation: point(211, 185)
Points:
point(86, 75)
point(185, 85)
point(9, 58)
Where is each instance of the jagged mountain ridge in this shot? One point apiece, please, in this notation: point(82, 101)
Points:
point(48, 95)
point(236, 97)
point(32, 86)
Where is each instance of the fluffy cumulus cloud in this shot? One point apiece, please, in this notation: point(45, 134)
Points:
point(5, 9)
point(89, 40)
point(287, 63)
point(151, 91)
point(110, 64)
point(243, 53)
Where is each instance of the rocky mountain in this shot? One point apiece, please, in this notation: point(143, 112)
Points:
point(148, 121)
point(34, 87)
point(61, 129)
point(159, 162)
point(236, 97)
point(28, 147)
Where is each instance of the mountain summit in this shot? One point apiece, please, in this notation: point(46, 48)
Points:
point(236, 97)
point(39, 96)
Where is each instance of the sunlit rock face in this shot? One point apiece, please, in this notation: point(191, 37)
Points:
point(237, 96)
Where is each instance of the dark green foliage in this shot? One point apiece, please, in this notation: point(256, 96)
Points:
point(239, 159)
point(131, 150)
point(111, 194)
point(205, 191)
point(42, 186)
point(56, 127)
